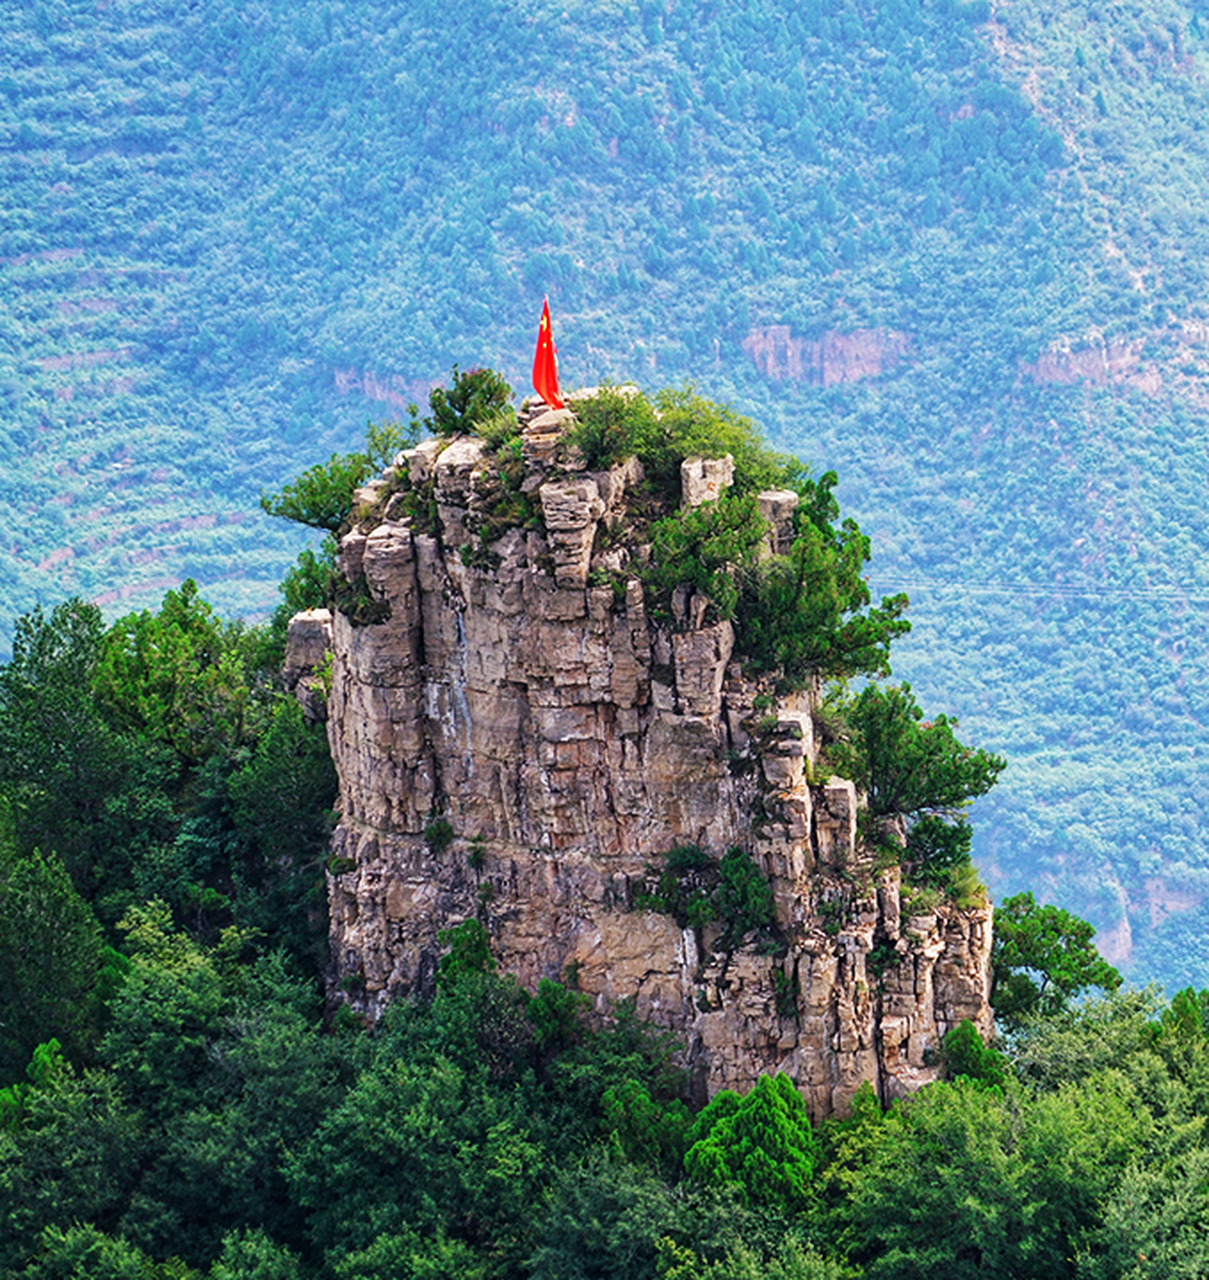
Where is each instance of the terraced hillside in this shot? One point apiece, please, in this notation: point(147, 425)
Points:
point(956, 252)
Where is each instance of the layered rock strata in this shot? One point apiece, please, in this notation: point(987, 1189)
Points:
point(522, 741)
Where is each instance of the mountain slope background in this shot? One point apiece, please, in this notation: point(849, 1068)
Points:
point(956, 252)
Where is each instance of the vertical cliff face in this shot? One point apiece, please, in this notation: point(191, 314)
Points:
point(519, 740)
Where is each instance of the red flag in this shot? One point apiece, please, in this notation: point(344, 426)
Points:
point(545, 362)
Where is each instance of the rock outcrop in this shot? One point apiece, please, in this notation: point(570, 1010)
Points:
point(522, 740)
point(827, 361)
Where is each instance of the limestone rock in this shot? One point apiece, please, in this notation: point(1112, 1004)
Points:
point(777, 507)
point(577, 734)
point(704, 479)
point(571, 509)
point(308, 640)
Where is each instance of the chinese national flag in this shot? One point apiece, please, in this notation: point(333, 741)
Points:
point(545, 362)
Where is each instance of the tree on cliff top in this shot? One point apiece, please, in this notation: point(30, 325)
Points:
point(322, 496)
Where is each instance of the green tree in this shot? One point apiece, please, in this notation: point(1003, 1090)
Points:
point(966, 1054)
point(914, 769)
point(471, 401)
point(177, 677)
point(51, 957)
point(60, 761)
point(605, 1220)
point(907, 765)
point(1155, 1224)
point(761, 1147)
point(1041, 958)
point(424, 1146)
point(83, 1251)
point(281, 803)
point(807, 613)
point(73, 1158)
point(707, 548)
point(322, 496)
point(965, 1181)
point(221, 1052)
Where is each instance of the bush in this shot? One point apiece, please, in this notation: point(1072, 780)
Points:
point(965, 1054)
point(614, 424)
point(708, 548)
point(475, 399)
point(743, 898)
point(807, 613)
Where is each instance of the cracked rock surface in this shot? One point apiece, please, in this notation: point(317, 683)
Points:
point(569, 741)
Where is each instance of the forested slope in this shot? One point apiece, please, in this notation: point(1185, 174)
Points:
point(958, 255)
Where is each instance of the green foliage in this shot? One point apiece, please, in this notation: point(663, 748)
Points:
point(761, 1147)
point(966, 1055)
point(45, 1067)
point(743, 898)
point(707, 548)
point(322, 496)
point(408, 1255)
point(606, 1219)
point(177, 677)
point(806, 613)
point(439, 835)
point(645, 1131)
point(426, 1144)
point(83, 1251)
point(664, 429)
point(691, 425)
point(695, 890)
point(614, 424)
point(73, 1159)
point(61, 762)
point(306, 584)
point(1015, 1186)
point(684, 888)
point(281, 810)
point(1155, 1224)
point(469, 950)
point(51, 947)
point(557, 1015)
point(793, 1260)
point(252, 1255)
point(918, 771)
point(475, 400)
point(907, 765)
point(1041, 958)
point(157, 757)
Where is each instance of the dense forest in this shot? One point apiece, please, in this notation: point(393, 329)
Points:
point(232, 234)
point(175, 1103)
point(176, 1100)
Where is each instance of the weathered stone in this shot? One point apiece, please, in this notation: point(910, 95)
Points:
point(835, 820)
point(308, 640)
point(571, 509)
point(704, 479)
point(777, 507)
point(700, 659)
point(421, 460)
point(348, 558)
point(581, 741)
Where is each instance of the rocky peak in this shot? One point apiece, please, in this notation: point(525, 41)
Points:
point(523, 735)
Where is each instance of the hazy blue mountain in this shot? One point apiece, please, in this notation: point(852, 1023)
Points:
point(957, 254)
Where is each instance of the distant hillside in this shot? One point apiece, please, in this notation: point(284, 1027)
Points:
point(957, 253)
